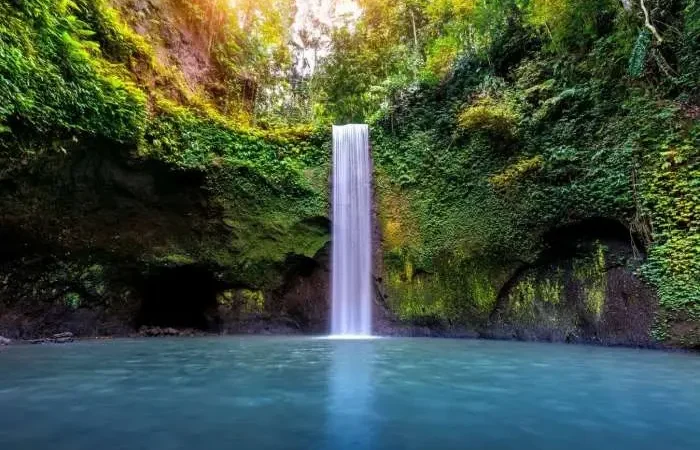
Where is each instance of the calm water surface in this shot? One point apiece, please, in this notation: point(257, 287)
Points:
point(301, 393)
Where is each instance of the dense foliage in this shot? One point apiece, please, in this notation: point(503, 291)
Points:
point(494, 122)
point(75, 72)
point(497, 121)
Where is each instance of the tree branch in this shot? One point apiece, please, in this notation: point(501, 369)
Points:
point(648, 24)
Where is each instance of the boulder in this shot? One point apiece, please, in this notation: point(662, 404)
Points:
point(64, 335)
point(167, 331)
point(61, 338)
point(58, 338)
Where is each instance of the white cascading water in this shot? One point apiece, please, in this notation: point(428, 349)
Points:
point(351, 308)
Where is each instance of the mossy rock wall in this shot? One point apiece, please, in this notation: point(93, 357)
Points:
point(473, 173)
point(591, 297)
point(115, 152)
point(87, 234)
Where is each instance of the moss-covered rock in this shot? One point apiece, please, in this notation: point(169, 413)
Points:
point(117, 165)
point(475, 172)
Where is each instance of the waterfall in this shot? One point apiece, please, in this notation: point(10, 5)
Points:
point(351, 269)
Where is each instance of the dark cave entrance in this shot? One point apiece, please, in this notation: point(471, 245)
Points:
point(573, 239)
point(180, 297)
point(15, 245)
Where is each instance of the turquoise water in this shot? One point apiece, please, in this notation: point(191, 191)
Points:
point(302, 393)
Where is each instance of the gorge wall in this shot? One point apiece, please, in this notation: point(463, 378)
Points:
point(543, 190)
point(129, 197)
point(527, 195)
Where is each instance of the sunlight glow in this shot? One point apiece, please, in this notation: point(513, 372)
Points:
point(312, 22)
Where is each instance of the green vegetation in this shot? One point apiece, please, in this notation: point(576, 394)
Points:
point(593, 279)
point(75, 73)
point(53, 83)
point(72, 300)
point(244, 301)
point(513, 118)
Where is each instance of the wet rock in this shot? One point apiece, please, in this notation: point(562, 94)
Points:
point(5, 341)
point(64, 335)
point(584, 289)
point(58, 338)
point(167, 331)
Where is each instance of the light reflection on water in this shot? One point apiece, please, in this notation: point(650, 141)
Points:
point(350, 396)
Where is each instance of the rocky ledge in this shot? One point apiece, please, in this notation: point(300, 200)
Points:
point(58, 338)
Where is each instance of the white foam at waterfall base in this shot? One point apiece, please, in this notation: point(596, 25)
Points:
point(351, 269)
point(349, 337)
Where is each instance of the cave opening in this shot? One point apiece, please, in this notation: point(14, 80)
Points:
point(562, 245)
point(15, 245)
point(180, 297)
point(570, 240)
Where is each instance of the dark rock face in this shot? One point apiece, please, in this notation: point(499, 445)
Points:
point(58, 338)
point(77, 255)
point(583, 289)
point(97, 243)
point(45, 298)
point(181, 297)
point(305, 295)
point(630, 310)
point(42, 294)
point(168, 331)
